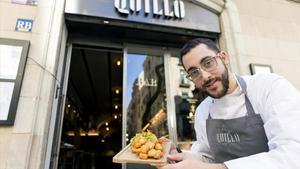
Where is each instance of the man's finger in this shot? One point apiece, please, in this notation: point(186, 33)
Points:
point(176, 157)
point(170, 166)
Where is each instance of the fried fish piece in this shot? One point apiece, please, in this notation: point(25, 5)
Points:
point(158, 154)
point(146, 145)
point(143, 156)
point(150, 145)
point(135, 150)
point(158, 146)
point(145, 149)
point(151, 153)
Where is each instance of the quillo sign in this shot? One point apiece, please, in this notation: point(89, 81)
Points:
point(184, 14)
point(159, 7)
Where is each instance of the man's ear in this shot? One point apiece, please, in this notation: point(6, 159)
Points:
point(224, 57)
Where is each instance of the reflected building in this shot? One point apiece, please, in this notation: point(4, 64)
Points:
point(148, 98)
point(187, 98)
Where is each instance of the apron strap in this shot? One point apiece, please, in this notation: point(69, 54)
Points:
point(250, 110)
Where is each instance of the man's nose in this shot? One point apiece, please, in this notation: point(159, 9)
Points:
point(204, 74)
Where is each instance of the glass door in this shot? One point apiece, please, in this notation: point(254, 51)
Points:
point(145, 93)
point(183, 100)
point(157, 96)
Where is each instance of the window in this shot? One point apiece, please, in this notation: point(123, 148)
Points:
point(27, 2)
point(260, 68)
point(13, 54)
point(184, 82)
point(146, 94)
point(187, 98)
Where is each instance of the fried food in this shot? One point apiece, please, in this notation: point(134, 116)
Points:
point(151, 153)
point(143, 156)
point(158, 146)
point(146, 145)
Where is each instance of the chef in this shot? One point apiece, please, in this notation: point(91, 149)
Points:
point(246, 122)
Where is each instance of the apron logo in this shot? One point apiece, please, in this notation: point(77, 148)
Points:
point(228, 137)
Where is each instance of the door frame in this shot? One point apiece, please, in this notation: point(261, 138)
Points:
point(56, 122)
point(167, 53)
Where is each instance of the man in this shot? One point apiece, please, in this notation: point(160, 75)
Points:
point(250, 122)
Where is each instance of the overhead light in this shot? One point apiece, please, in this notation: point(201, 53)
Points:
point(117, 91)
point(102, 140)
point(106, 22)
point(107, 128)
point(69, 105)
point(118, 62)
point(92, 133)
point(116, 106)
point(74, 111)
point(106, 123)
point(71, 133)
point(115, 116)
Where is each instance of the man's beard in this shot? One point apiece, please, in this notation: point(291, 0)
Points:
point(225, 83)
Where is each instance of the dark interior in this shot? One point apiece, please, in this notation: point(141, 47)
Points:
point(92, 126)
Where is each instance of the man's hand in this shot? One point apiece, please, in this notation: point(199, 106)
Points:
point(173, 149)
point(188, 161)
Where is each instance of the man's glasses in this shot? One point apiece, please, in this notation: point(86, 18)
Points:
point(208, 64)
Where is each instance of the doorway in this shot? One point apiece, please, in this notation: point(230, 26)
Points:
point(92, 122)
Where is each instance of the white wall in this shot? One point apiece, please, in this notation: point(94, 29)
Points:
point(265, 32)
point(23, 145)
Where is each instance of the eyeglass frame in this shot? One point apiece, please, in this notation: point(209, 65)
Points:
point(214, 58)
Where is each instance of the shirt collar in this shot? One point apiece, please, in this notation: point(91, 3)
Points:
point(236, 92)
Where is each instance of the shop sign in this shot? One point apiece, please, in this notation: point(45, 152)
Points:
point(135, 6)
point(172, 13)
point(24, 25)
point(146, 82)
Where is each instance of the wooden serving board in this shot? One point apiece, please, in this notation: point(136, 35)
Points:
point(126, 156)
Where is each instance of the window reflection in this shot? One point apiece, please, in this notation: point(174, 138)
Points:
point(146, 95)
point(6, 90)
point(184, 82)
point(9, 61)
point(187, 98)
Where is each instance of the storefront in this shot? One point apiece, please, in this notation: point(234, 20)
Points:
point(122, 74)
point(79, 78)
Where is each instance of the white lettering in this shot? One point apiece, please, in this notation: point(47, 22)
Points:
point(146, 82)
point(179, 9)
point(121, 6)
point(154, 82)
point(155, 8)
point(237, 137)
point(167, 9)
point(135, 5)
point(159, 7)
point(147, 7)
point(227, 137)
point(21, 24)
point(28, 25)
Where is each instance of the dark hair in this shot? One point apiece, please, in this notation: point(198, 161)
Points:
point(195, 42)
